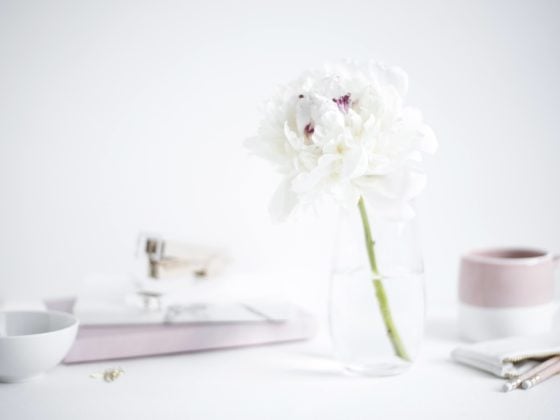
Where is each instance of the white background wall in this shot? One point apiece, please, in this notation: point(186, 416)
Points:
point(121, 116)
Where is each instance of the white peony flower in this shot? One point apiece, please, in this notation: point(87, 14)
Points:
point(344, 132)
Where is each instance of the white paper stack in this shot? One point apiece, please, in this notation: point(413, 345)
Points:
point(115, 323)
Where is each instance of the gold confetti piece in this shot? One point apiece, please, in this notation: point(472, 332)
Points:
point(108, 375)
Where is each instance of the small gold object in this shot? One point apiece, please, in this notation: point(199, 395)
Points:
point(108, 375)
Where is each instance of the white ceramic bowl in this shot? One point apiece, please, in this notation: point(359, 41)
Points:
point(32, 342)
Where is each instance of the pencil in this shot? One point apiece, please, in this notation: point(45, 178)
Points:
point(516, 383)
point(541, 376)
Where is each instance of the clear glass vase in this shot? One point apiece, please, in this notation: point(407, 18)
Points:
point(376, 308)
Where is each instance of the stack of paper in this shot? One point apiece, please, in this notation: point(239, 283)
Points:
point(193, 327)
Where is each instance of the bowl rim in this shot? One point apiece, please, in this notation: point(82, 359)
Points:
point(75, 323)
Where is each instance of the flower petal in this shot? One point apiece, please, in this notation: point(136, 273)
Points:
point(306, 181)
point(283, 202)
point(354, 163)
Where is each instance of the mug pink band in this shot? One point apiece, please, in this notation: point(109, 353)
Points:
point(507, 278)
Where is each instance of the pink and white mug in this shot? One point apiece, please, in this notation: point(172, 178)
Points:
point(505, 292)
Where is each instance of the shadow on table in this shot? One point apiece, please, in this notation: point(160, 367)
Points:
point(314, 364)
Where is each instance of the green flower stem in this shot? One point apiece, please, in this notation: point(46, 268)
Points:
point(394, 336)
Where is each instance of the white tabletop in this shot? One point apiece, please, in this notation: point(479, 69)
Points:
point(287, 381)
